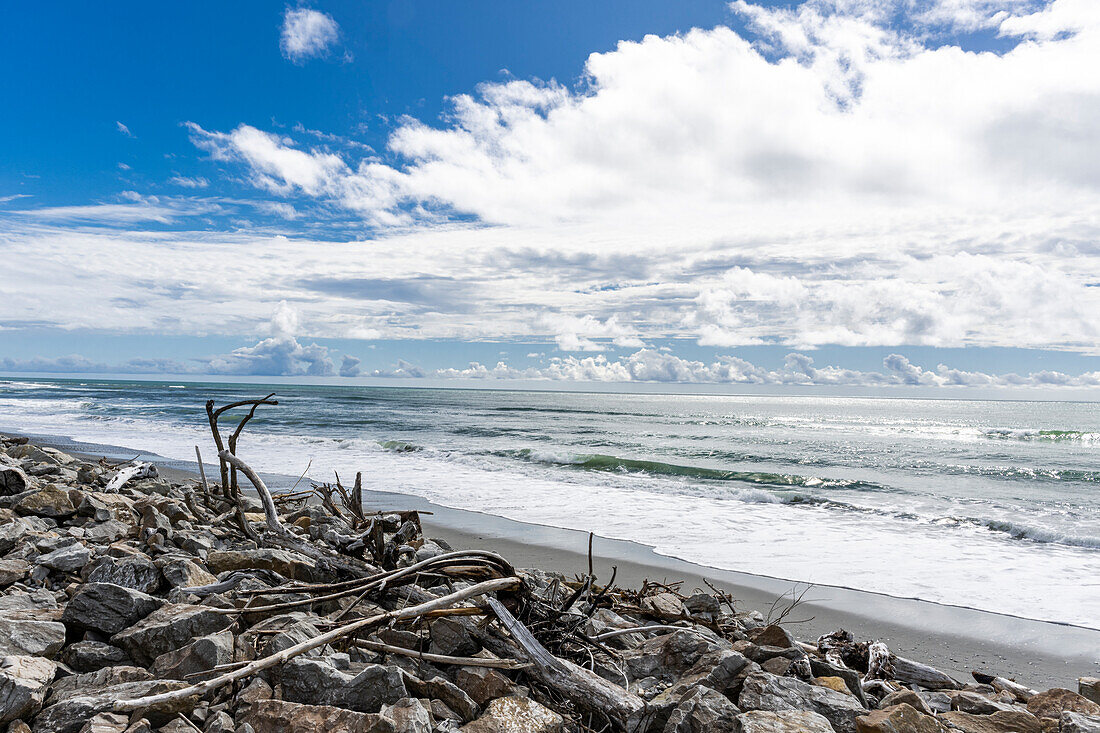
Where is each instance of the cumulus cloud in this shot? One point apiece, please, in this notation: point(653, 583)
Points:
point(349, 367)
point(654, 366)
point(307, 34)
point(283, 355)
point(279, 354)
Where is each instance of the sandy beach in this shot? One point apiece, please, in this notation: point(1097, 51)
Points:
point(956, 640)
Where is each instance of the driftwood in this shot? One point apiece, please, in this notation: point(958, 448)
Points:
point(464, 560)
point(583, 688)
point(1000, 684)
point(137, 470)
point(286, 537)
point(378, 646)
point(197, 690)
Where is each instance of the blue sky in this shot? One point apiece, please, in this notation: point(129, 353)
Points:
point(903, 192)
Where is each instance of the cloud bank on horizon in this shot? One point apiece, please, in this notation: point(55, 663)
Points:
point(843, 172)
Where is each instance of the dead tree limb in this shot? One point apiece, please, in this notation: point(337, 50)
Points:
point(378, 646)
point(583, 688)
point(197, 690)
point(138, 470)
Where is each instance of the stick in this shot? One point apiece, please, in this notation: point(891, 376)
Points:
point(138, 470)
point(202, 471)
point(489, 586)
point(286, 537)
point(377, 581)
point(639, 629)
point(440, 658)
point(584, 688)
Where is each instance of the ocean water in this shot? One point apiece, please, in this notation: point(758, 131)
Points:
point(986, 504)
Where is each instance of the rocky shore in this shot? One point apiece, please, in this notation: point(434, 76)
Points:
point(132, 603)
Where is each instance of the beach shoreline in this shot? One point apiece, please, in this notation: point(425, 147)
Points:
point(954, 639)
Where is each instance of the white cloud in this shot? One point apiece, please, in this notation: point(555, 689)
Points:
point(307, 34)
point(654, 366)
point(123, 129)
point(189, 181)
point(279, 354)
point(828, 179)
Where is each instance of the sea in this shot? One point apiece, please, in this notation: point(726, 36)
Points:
point(993, 505)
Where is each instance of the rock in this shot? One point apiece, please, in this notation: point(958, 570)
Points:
point(17, 600)
point(79, 684)
point(1089, 688)
point(201, 655)
point(169, 627)
point(408, 715)
point(284, 562)
point(12, 570)
point(220, 722)
point(108, 608)
point(279, 716)
point(1077, 723)
point(296, 628)
point(901, 718)
point(516, 715)
point(1057, 700)
point(833, 683)
point(107, 723)
point(785, 721)
point(253, 692)
point(317, 681)
point(779, 666)
point(999, 722)
point(12, 480)
point(23, 685)
point(70, 715)
point(763, 691)
point(49, 501)
point(663, 605)
point(461, 705)
point(106, 532)
point(30, 636)
point(484, 684)
point(451, 636)
point(88, 656)
point(12, 533)
point(972, 702)
point(704, 711)
point(137, 572)
point(66, 559)
point(703, 605)
point(184, 573)
point(908, 697)
point(772, 635)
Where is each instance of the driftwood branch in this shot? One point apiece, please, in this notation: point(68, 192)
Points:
point(202, 688)
point(378, 646)
point(583, 688)
point(138, 470)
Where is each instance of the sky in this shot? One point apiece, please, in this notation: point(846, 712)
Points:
point(886, 194)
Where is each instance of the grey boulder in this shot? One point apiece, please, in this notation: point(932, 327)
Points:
point(763, 691)
point(168, 628)
point(108, 608)
point(317, 682)
point(23, 685)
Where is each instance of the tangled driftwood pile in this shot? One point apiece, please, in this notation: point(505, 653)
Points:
point(130, 603)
